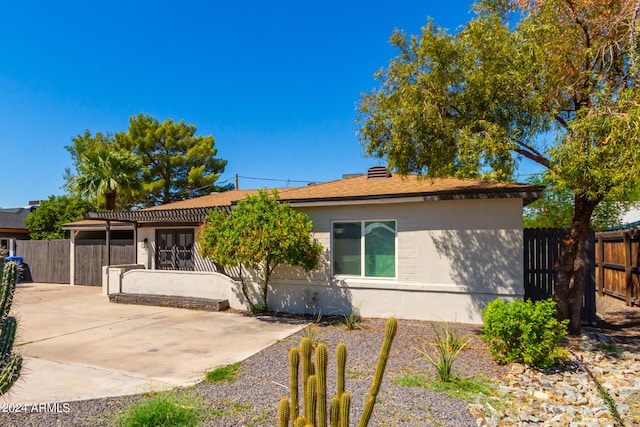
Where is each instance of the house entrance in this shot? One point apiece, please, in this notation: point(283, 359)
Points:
point(174, 247)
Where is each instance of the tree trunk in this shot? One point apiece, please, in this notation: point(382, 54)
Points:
point(572, 267)
point(266, 277)
point(111, 200)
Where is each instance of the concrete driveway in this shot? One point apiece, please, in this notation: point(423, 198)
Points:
point(77, 345)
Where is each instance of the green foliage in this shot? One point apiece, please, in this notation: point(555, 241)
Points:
point(447, 345)
point(259, 307)
point(261, 233)
point(82, 145)
point(177, 163)
point(467, 389)
point(166, 410)
point(223, 374)
point(524, 331)
point(173, 163)
point(10, 363)
point(411, 380)
point(314, 385)
point(555, 208)
point(45, 223)
point(313, 333)
point(555, 82)
point(351, 321)
point(104, 171)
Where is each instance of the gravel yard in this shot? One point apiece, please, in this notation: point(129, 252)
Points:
point(252, 398)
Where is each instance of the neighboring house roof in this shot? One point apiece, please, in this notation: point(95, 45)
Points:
point(378, 185)
point(12, 220)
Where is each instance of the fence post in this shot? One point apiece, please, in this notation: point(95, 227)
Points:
point(627, 268)
point(600, 260)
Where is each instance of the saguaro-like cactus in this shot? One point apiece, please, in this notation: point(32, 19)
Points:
point(314, 385)
point(10, 364)
point(390, 332)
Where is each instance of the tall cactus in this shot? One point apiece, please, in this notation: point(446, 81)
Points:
point(294, 361)
point(390, 332)
point(314, 385)
point(341, 364)
point(10, 364)
point(283, 412)
point(321, 374)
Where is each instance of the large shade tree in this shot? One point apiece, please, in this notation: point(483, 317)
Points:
point(552, 81)
point(178, 164)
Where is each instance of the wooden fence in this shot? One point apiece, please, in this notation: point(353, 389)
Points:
point(618, 265)
point(45, 261)
point(542, 248)
point(48, 261)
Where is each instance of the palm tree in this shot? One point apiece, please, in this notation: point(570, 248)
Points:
point(104, 171)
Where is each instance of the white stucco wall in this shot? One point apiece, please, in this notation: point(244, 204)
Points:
point(145, 251)
point(452, 258)
point(175, 283)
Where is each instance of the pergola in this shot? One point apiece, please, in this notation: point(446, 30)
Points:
point(151, 218)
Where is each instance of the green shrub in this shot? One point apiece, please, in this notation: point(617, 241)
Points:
point(524, 331)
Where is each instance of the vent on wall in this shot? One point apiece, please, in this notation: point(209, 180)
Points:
point(378, 172)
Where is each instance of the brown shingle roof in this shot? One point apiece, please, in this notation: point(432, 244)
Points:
point(363, 188)
point(346, 190)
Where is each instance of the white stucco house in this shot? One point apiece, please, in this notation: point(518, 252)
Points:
point(430, 249)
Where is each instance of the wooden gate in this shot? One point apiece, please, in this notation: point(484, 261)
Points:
point(618, 255)
point(542, 248)
point(91, 255)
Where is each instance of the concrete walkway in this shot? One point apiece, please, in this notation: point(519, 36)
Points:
point(77, 345)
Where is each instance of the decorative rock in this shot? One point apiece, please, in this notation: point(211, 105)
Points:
point(567, 396)
point(540, 395)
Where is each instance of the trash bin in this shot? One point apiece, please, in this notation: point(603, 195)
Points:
point(18, 260)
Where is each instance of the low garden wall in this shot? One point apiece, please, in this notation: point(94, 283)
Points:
point(137, 280)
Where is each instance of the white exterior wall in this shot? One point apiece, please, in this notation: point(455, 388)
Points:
point(176, 283)
point(145, 254)
point(452, 258)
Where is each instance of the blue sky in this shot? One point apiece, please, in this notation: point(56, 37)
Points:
point(276, 83)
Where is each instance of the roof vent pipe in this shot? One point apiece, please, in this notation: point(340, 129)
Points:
point(378, 172)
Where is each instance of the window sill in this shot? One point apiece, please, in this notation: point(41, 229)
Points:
point(396, 285)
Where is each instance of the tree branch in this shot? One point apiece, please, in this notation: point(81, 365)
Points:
point(531, 153)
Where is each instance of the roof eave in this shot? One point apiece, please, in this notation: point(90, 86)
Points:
point(528, 195)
